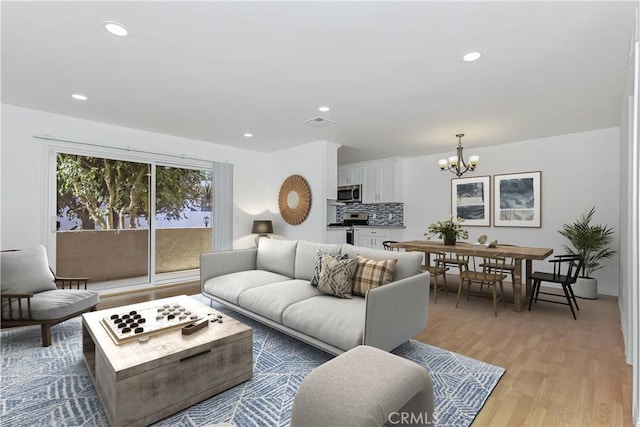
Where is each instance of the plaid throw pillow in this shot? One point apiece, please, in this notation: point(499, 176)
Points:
point(336, 277)
point(318, 267)
point(371, 274)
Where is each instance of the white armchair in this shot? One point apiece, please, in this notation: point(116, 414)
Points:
point(32, 295)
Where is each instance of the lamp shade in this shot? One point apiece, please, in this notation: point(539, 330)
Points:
point(262, 227)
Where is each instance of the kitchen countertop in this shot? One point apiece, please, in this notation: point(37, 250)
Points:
point(380, 226)
point(366, 226)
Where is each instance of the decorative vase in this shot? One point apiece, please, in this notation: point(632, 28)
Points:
point(586, 288)
point(449, 239)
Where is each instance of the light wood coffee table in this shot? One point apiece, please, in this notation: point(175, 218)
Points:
point(142, 382)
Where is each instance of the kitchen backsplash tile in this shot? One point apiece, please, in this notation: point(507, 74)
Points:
point(378, 212)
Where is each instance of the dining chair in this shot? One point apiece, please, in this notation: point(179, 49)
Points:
point(438, 268)
point(387, 245)
point(451, 258)
point(507, 267)
point(565, 273)
point(469, 274)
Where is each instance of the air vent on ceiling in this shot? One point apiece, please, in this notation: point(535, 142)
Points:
point(319, 122)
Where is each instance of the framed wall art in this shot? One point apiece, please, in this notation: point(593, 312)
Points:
point(517, 200)
point(470, 200)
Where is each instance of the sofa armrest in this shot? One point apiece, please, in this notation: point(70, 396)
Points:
point(216, 264)
point(396, 312)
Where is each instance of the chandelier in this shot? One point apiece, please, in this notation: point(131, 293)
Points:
point(456, 164)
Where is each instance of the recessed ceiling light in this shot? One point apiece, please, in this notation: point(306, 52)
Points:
point(324, 109)
point(116, 29)
point(79, 97)
point(471, 56)
point(248, 135)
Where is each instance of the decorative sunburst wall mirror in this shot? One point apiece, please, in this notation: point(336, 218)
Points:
point(294, 200)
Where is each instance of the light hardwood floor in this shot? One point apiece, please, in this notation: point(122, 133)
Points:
point(559, 371)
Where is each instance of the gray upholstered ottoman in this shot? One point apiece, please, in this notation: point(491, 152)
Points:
point(365, 387)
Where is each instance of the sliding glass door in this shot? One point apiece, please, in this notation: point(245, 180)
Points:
point(184, 200)
point(124, 223)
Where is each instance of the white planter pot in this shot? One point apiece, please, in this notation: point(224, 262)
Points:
point(586, 287)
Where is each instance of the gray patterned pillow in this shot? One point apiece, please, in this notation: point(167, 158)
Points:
point(336, 276)
point(318, 267)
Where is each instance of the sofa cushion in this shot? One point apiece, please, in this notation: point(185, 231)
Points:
point(277, 256)
point(338, 322)
point(336, 276)
point(371, 274)
point(315, 278)
point(306, 256)
point(26, 271)
point(57, 304)
point(230, 286)
point(271, 300)
point(409, 263)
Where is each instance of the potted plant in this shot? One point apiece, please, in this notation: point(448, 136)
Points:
point(592, 243)
point(448, 230)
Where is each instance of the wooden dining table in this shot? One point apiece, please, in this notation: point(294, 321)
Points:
point(518, 253)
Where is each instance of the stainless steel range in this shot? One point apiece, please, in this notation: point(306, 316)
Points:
point(349, 220)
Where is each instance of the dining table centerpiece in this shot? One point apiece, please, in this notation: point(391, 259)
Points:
point(449, 230)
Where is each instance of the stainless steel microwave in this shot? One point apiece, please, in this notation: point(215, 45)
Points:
point(350, 193)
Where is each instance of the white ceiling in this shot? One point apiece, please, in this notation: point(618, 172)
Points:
point(391, 71)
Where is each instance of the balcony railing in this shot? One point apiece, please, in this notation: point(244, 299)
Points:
point(120, 254)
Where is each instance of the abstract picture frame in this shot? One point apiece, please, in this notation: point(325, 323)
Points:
point(517, 200)
point(471, 200)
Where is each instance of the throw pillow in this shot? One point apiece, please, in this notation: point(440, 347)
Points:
point(315, 277)
point(371, 274)
point(26, 271)
point(277, 256)
point(336, 276)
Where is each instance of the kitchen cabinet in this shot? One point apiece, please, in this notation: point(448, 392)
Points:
point(379, 183)
point(337, 236)
point(371, 237)
point(350, 175)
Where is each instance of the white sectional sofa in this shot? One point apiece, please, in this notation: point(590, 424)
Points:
point(271, 284)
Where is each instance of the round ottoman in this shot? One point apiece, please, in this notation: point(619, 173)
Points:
point(365, 387)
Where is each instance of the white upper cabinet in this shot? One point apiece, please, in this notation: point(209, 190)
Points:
point(379, 183)
point(348, 175)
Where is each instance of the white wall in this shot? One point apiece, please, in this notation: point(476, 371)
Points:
point(629, 298)
point(578, 171)
point(317, 163)
point(23, 182)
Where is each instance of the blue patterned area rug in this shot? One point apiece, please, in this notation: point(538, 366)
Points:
point(51, 386)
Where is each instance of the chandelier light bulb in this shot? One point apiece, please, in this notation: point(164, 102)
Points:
point(456, 164)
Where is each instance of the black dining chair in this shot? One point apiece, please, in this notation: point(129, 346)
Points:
point(387, 245)
point(565, 273)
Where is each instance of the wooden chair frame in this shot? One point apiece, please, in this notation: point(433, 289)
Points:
point(25, 317)
point(493, 276)
point(438, 268)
